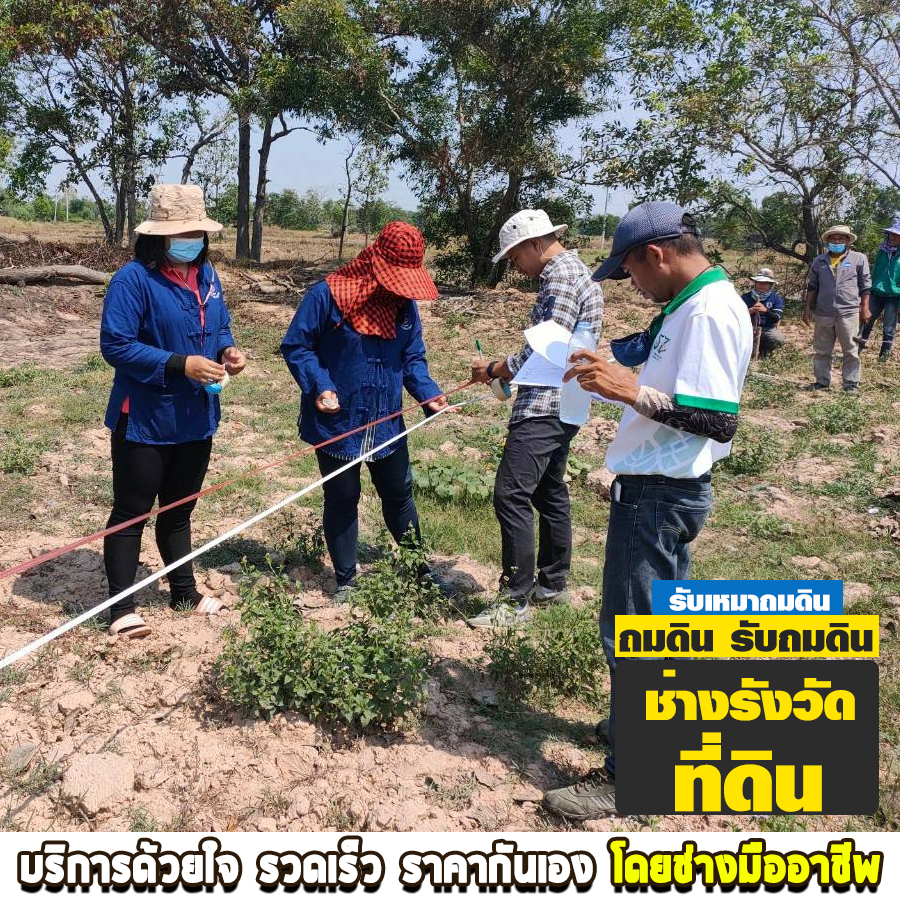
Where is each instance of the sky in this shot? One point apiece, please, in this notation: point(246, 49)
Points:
point(301, 162)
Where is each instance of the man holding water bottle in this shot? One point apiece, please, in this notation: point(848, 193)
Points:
point(681, 414)
point(532, 470)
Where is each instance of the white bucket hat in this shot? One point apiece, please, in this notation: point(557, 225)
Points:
point(765, 275)
point(175, 209)
point(523, 226)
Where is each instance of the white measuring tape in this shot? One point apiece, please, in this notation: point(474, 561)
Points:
point(83, 617)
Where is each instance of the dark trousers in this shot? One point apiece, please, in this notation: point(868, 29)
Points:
point(531, 474)
point(652, 521)
point(884, 307)
point(141, 473)
point(393, 480)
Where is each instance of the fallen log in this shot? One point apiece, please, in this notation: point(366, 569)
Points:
point(32, 274)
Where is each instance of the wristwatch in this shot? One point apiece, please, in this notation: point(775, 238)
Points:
point(490, 370)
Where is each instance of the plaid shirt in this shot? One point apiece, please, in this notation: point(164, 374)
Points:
point(567, 295)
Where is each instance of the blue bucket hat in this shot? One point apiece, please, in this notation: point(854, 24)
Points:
point(656, 220)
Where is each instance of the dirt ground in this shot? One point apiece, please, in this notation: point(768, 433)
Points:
point(104, 734)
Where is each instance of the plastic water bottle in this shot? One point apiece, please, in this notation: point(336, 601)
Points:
point(574, 401)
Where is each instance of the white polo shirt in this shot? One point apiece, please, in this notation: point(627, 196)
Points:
point(700, 358)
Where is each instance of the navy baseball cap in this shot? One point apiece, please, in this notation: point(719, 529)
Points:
point(653, 221)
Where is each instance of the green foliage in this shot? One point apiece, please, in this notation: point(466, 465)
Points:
point(844, 415)
point(397, 586)
point(93, 362)
point(452, 482)
point(576, 469)
point(557, 655)
point(20, 455)
point(752, 453)
point(764, 393)
point(289, 209)
point(23, 374)
point(301, 546)
point(43, 208)
point(371, 671)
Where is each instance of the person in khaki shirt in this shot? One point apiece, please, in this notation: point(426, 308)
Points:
point(837, 304)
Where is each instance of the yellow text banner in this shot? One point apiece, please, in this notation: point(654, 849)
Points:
point(746, 636)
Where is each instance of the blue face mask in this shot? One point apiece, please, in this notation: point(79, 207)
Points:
point(836, 248)
point(184, 249)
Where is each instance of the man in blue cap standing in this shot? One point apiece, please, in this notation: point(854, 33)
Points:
point(681, 414)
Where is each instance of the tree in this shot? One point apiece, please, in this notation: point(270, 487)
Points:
point(243, 52)
point(473, 111)
point(738, 97)
point(371, 180)
point(88, 97)
point(289, 210)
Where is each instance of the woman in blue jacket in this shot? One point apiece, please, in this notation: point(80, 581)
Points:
point(166, 332)
point(355, 342)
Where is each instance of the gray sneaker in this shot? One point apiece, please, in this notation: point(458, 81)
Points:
point(501, 615)
point(591, 798)
point(560, 598)
point(342, 595)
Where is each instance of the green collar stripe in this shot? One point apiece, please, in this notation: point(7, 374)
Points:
point(725, 406)
point(710, 276)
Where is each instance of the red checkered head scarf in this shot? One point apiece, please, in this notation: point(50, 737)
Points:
point(370, 290)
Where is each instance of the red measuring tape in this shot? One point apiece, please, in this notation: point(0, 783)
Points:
point(61, 551)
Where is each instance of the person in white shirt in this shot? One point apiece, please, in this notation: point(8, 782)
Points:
point(681, 414)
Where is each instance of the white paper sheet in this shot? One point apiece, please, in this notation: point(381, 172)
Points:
point(540, 372)
point(551, 340)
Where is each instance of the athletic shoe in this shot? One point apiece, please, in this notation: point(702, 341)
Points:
point(501, 615)
point(591, 798)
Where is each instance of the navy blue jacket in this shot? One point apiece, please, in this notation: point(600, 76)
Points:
point(775, 305)
point(367, 373)
point(146, 319)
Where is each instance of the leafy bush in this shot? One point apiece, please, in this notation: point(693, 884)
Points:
point(452, 482)
point(558, 654)
point(397, 585)
point(371, 671)
point(751, 454)
point(19, 455)
point(576, 469)
point(841, 416)
point(24, 374)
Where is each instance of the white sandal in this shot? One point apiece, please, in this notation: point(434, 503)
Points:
point(130, 626)
point(209, 606)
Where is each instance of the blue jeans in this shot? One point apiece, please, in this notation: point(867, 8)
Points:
point(652, 521)
point(885, 307)
point(393, 480)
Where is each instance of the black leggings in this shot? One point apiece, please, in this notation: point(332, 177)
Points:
point(141, 473)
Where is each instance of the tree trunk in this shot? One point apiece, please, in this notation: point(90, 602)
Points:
point(810, 231)
point(119, 232)
point(347, 198)
point(484, 269)
point(259, 206)
point(242, 244)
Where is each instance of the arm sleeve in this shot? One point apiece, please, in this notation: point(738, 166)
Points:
point(812, 280)
point(712, 364)
point(416, 377)
point(123, 311)
point(299, 345)
point(225, 337)
point(654, 404)
point(777, 310)
point(864, 275)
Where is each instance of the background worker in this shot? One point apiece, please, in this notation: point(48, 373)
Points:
point(166, 331)
point(885, 297)
point(766, 308)
point(682, 414)
point(532, 470)
point(837, 304)
point(354, 344)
